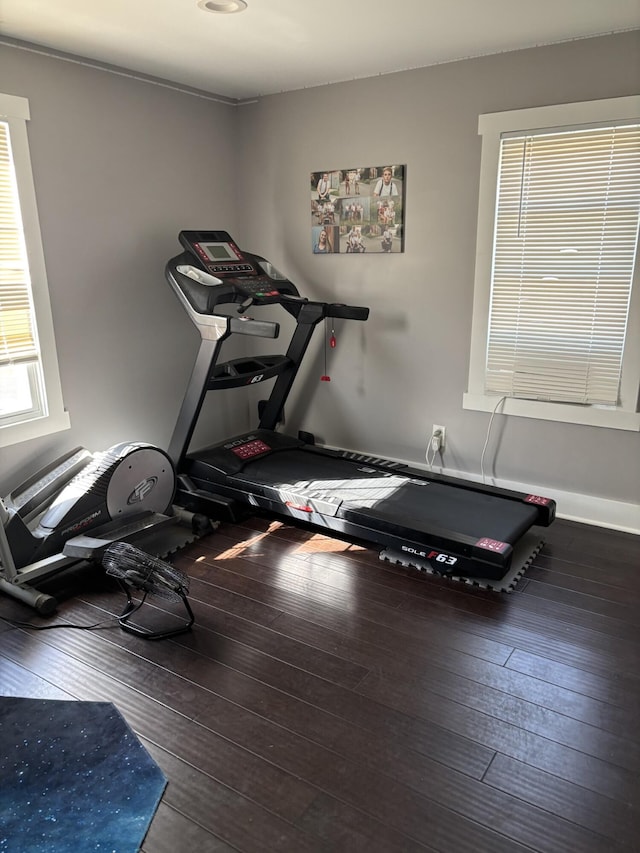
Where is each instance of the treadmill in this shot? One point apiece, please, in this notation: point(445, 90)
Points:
point(440, 524)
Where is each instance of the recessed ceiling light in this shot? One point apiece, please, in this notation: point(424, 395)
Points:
point(222, 5)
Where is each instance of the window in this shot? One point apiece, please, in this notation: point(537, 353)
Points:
point(30, 393)
point(556, 325)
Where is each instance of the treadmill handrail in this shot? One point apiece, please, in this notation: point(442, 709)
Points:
point(248, 326)
point(213, 327)
point(310, 310)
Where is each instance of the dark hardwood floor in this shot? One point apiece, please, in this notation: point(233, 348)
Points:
point(328, 701)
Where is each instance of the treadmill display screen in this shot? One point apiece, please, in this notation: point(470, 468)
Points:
point(219, 252)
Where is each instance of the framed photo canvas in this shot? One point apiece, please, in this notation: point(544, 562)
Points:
point(359, 210)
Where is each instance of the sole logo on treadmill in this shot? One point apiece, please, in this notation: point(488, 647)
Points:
point(438, 556)
point(239, 441)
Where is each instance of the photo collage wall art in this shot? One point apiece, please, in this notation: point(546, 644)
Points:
point(358, 210)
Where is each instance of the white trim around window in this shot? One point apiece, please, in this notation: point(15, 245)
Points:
point(14, 112)
point(494, 128)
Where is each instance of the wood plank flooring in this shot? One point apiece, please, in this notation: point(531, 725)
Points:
point(328, 701)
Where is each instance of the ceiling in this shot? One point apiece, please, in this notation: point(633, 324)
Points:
point(282, 45)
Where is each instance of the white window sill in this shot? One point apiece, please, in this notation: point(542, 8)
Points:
point(599, 416)
point(36, 428)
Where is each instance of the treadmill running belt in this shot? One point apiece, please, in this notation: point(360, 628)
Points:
point(355, 489)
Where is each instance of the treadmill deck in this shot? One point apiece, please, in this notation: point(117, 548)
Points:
point(457, 526)
point(350, 489)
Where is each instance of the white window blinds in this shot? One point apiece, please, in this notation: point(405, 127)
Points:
point(17, 332)
point(565, 243)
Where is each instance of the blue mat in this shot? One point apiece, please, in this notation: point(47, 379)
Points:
point(74, 778)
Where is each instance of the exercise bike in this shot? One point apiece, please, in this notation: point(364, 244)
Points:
point(74, 508)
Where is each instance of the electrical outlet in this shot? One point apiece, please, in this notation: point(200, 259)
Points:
point(435, 428)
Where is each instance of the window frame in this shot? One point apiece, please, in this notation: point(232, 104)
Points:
point(14, 111)
point(492, 126)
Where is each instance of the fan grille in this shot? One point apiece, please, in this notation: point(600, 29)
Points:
point(145, 572)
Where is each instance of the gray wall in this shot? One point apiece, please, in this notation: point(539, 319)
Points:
point(122, 165)
point(407, 367)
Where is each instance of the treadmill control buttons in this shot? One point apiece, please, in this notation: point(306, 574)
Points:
point(234, 268)
point(251, 449)
point(259, 287)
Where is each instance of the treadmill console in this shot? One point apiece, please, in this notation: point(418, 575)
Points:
point(217, 253)
point(213, 270)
